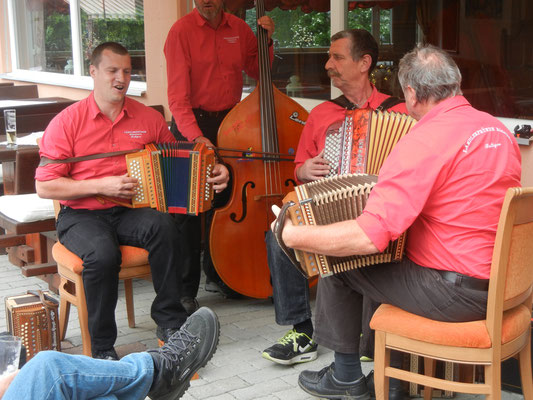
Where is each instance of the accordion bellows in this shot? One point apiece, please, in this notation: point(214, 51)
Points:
point(173, 177)
point(331, 200)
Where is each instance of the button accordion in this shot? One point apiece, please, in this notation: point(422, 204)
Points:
point(364, 140)
point(173, 177)
point(355, 153)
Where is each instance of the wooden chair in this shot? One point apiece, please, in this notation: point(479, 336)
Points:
point(503, 334)
point(71, 290)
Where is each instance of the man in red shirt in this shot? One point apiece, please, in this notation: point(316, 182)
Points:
point(352, 57)
point(106, 122)
point(444, 182)
point(206, 51)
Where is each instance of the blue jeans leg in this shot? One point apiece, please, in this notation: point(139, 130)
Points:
point(51, 375)
point(290, 287)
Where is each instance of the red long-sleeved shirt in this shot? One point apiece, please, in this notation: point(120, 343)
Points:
point(445, 181)
point(204, 66)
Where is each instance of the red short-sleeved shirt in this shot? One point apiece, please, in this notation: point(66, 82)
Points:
point(327, 117)
point(82, 129)
point(445, 181)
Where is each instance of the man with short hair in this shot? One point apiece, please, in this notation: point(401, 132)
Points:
point(93, 228)
point(207, 51)
point(353, 55)
point(444, 183)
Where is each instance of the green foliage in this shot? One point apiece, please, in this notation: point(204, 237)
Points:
point(294, 28)
point(57, 33)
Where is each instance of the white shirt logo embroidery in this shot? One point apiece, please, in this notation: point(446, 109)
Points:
point(231, 39)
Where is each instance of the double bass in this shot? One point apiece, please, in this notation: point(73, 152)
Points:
point(257, 140)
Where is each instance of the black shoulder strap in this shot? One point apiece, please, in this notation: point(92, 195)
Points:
point(389, 102)
point(344, 102)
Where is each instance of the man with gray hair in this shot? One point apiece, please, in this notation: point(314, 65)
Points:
point(444, 183)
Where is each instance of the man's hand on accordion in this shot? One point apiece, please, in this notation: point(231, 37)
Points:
point(340, 239)
point(122, 186)
point(220, 177)
point(313, 169)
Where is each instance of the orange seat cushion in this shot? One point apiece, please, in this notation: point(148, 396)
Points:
point(131, 257)
point(472, 334)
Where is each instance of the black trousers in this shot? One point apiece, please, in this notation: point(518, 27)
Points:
point(95, 236)
point(194, 236)
point(419, 290)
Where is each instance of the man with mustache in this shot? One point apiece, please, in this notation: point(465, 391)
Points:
point(206, 51)
point(353, 54)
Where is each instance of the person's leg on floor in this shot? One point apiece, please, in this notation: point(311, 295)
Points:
point(157, 233)
point(91, 236)
point(292, 307)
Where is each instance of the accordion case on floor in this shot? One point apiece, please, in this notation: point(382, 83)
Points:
point(173, 177)
point(331, 200)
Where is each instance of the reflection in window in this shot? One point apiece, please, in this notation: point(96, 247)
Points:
point(301, 42)
point(114, 21)
point(44, 38)
point(43, 32)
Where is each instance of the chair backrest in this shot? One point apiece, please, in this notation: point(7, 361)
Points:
point(511, 278)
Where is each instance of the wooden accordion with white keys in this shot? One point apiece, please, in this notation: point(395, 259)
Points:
point(173, 177)
point(330, 200)
point(364, 140)
point(355, 153)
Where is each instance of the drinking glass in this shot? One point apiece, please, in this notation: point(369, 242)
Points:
point(10, 118)
point(9, 355)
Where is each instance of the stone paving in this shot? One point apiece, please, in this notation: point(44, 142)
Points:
point(237, 370)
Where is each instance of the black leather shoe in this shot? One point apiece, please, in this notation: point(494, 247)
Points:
point(185, 352)
point(190, 304)
point(222, 288)
point(110, 354)
point(322, 384)
point(163, 334)
point(396, 391)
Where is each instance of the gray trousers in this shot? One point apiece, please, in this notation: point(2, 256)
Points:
point(419, 290)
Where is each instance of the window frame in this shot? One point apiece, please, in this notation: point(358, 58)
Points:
point(76, 80)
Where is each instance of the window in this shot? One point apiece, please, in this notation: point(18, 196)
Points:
point(53, 39)
point(301, 44)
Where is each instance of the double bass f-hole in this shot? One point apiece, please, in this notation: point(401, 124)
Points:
point(290, 180)
point(244, 202)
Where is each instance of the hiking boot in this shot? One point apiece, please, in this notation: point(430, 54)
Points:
point(185, 352)
point(294, 347)
point(109, 354)
point(322, 384)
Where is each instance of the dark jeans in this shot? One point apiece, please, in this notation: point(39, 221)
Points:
point(290, 287)
point(416, 289)
point(95, 236)
point(195, 239)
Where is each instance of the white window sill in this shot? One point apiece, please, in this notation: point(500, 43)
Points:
point(77, 82)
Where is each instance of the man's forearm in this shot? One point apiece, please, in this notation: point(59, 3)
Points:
point(340, 239)
point(65, 189)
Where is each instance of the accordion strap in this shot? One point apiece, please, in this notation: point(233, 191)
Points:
point(278, 230)
point(51, 306)
point(45, 160)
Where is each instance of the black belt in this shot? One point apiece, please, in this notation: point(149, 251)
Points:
point(211, 114)
point(465, 281)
